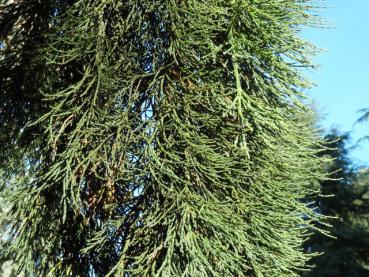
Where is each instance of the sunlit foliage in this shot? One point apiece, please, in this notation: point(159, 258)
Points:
point(156, 138)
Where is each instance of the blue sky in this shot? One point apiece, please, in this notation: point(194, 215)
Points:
point(343, 76)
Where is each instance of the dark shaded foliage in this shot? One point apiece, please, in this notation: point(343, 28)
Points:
point(347, 254)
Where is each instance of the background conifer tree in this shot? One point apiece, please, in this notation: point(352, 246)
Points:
point(156, 138)
point(348, 187)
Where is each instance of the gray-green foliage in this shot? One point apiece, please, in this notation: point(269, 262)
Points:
point(7, 267)
point(162, 137)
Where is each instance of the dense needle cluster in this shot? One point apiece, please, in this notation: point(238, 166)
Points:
point(156, 138)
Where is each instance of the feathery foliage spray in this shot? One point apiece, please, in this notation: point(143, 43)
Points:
point(156, 138)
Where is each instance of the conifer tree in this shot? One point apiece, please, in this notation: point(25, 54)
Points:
point(156, 138)
point(346, 254)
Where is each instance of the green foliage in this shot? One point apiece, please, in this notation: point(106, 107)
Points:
point(347, 254)
point(7, 266)
point(156, 138)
